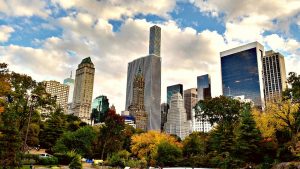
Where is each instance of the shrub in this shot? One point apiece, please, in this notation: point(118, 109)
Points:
point(76, 163)
point(48, 161)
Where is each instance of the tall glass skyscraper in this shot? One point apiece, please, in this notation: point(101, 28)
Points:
point(203, 87)
point(241, 70)
point(178, 88)
point(151, 70)
point(100, 107)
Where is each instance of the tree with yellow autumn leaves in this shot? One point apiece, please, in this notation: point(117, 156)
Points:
point(146, 145)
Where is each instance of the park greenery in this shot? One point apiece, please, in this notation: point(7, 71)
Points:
point(242, 137)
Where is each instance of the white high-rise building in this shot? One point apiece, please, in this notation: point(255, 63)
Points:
point(58, 91)
point(83, 90)
point(176, 119)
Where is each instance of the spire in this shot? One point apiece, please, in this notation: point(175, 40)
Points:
point(71, 75)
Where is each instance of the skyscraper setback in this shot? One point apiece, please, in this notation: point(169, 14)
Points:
point(274, 75)
point(83, 89)
point(241, 70)
point(151, 70)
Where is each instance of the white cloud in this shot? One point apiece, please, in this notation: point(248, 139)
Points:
point(5, 32)
point(281, 44)
point(24, 8)
point(184, 52)
point(116, 9)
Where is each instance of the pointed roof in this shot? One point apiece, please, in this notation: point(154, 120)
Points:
point(87, 60)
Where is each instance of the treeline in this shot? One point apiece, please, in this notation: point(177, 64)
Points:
point(242, 137)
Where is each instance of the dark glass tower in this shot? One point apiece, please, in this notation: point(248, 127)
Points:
point(100, 107)
point(178, 88)
point(203, 87)
point(241, 70)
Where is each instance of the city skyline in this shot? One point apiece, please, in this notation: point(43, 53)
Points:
point(48, 40)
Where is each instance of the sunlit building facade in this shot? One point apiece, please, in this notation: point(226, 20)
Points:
point(274, 75)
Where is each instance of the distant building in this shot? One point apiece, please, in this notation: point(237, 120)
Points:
point(203, 87)
point(241, 70)
point(100, 108)
point(164, 111)
point(176, 119)
point(204, 92)
point(137, 108)
point(151, 70)
point(58, 91)
point(274, 75)
point(70, 82)
point(178, 88)
point(200, 124)
point(190, 100)
point(83, 90)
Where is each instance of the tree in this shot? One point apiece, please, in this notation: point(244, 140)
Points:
point(168, 154)
point(145, 145)
point(110, 138)
point(195, 144)
point(222, 110)
point(80, 141)
point(247, 139)
point(293, 92)
point(52, 130)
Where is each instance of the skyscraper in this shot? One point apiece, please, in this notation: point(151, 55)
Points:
point(241, 70)
point(274, 75)
point(137, 108)
point(178, 88)
point(176, 119)
point(190, 100)
point(70, 82)
point(203, 87)
point(83, 89)
point(154, 40)
point(204, 92)
point(59, 91)
point(100, 107)
point(151, 70)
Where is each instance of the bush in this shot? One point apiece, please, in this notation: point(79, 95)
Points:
point(76, 163)
point(63, 159)
point(116, 160)
point(48, 161)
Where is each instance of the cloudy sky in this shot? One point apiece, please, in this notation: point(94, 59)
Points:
point(48, 38)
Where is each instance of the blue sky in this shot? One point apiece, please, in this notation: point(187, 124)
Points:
point(48, 38)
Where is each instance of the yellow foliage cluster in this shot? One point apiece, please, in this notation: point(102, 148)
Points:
point(145, 145)
point(277, 116)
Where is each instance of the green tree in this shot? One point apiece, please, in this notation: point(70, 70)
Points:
point(76, 162)
point(52, 129)
point(168, 154)
point(247, 138)
point(293, 92)
point(195, 144)
point(80, 141)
